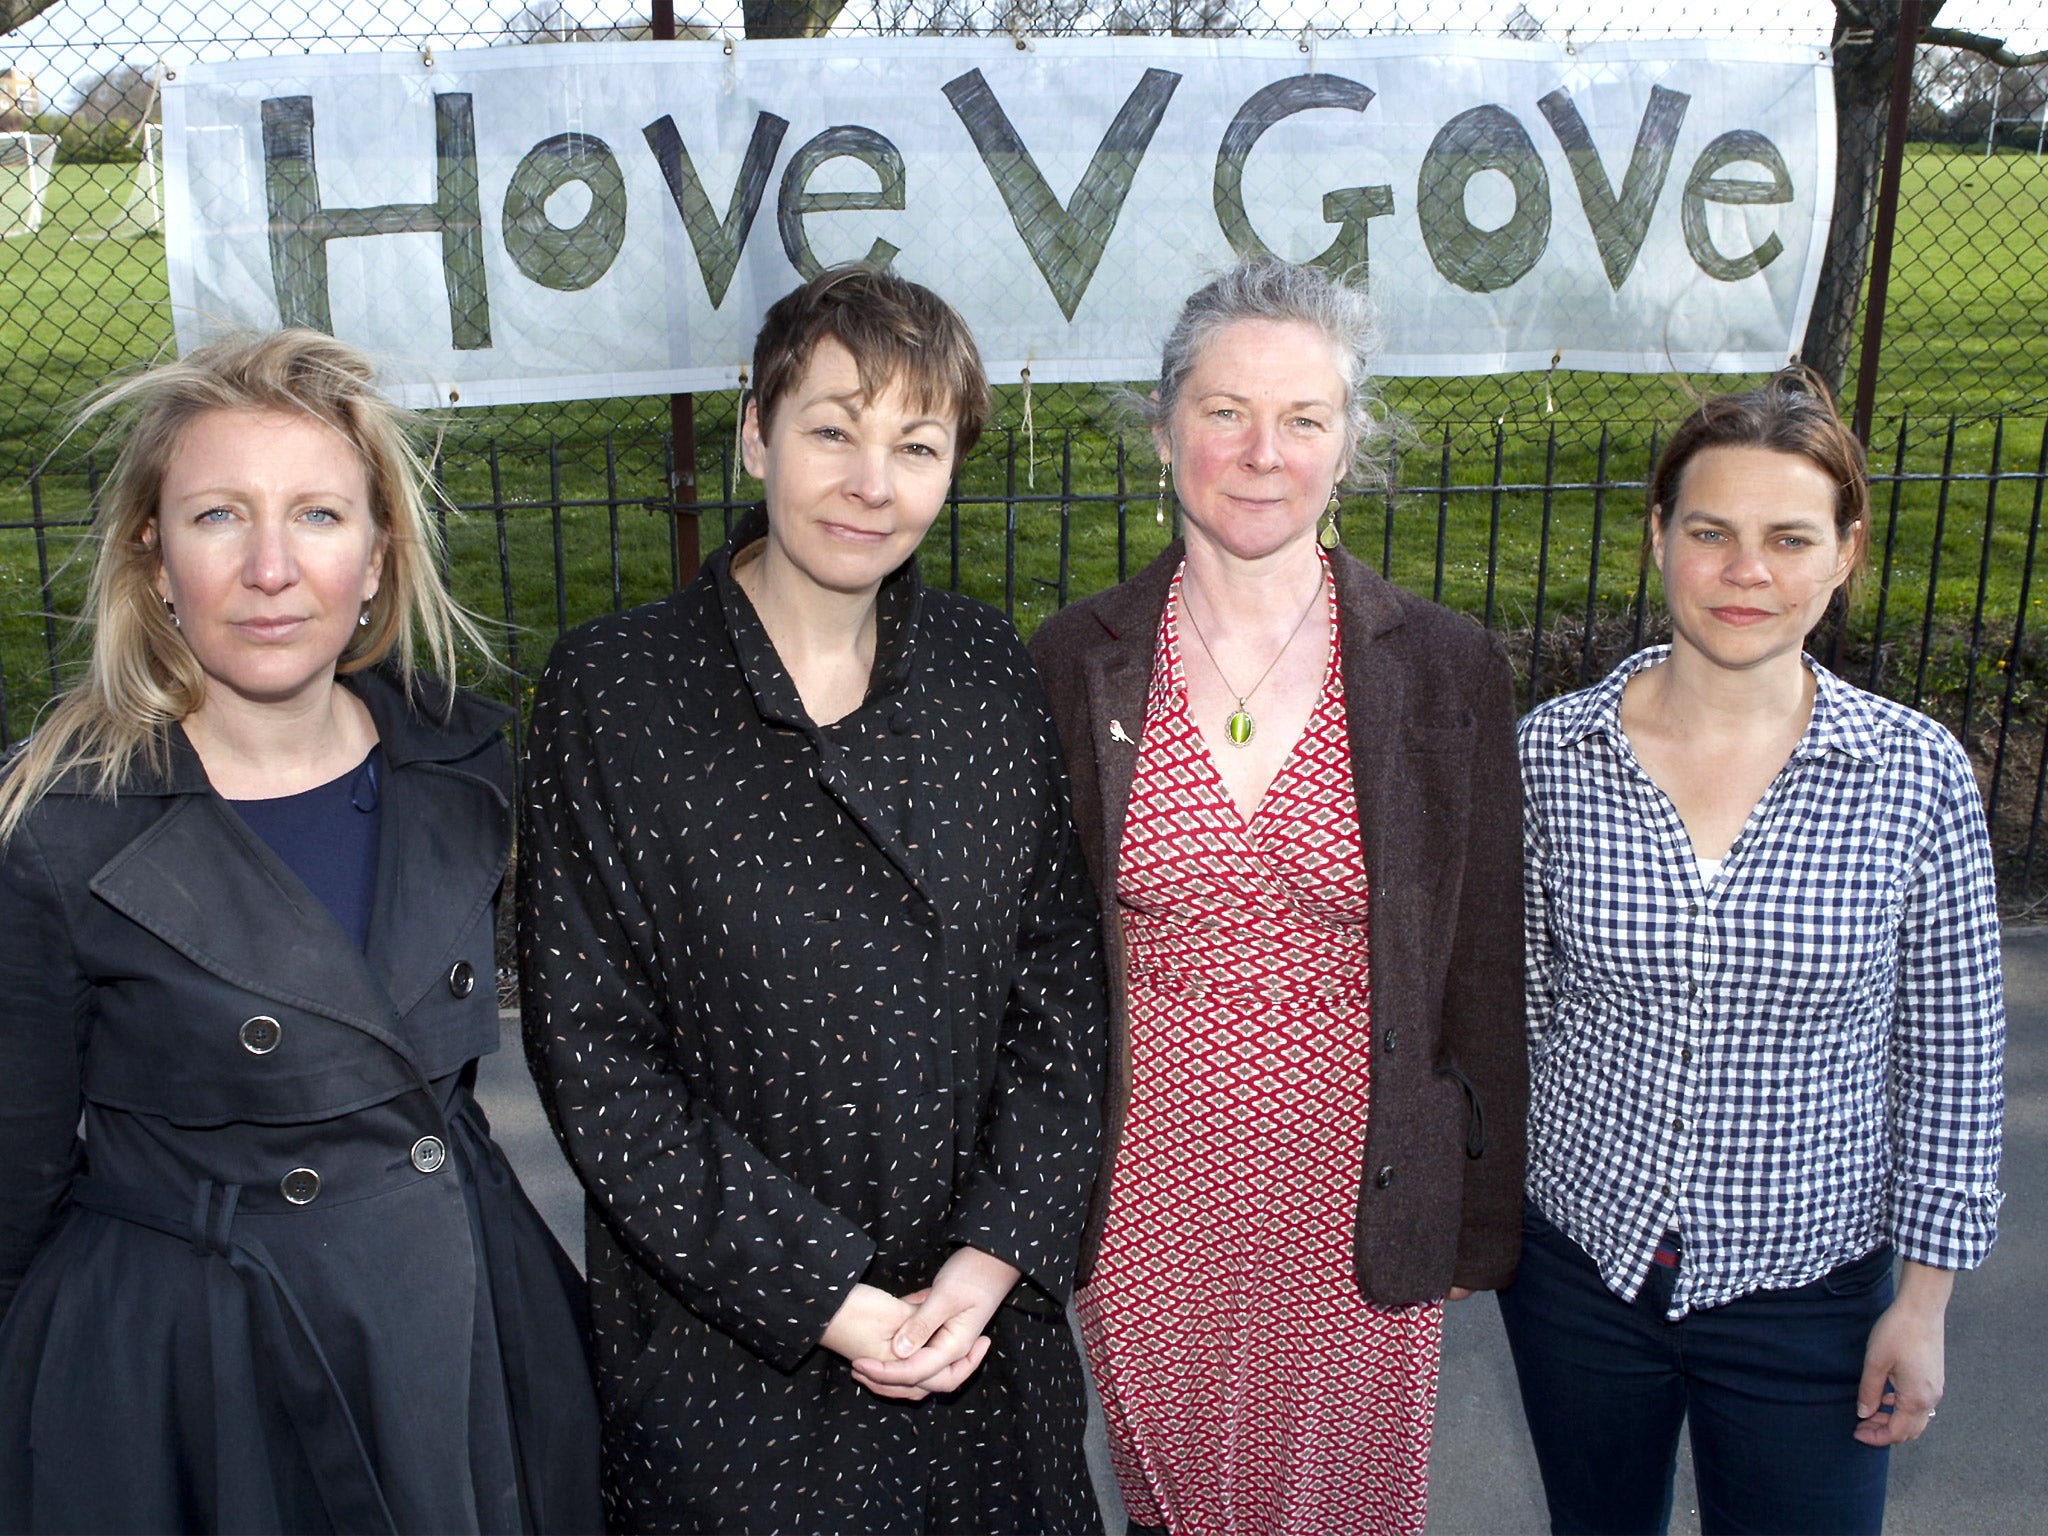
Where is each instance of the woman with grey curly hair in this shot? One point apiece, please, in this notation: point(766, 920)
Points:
point(1314, 1137)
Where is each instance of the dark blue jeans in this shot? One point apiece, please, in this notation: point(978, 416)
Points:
point(1767, 1383)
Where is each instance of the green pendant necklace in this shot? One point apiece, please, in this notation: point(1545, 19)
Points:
point(1241, 727)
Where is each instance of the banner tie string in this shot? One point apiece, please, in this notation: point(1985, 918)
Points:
point(1030, 434)
point(739, 421)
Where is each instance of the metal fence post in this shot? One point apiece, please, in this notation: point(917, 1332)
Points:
point(682, 409)
point(1903, 47)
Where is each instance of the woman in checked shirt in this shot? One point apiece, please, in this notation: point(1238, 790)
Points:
point(1765, 1021)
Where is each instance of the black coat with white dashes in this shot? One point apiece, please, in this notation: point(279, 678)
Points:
point(811, 1006)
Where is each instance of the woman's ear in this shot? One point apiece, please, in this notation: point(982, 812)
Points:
point(1852, 549)
point(1657, 536)
point(1162, 441)
point(380, 555)
point(753, 451)
point(159, 583)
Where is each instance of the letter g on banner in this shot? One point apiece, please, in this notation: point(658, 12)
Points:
point(1348, 208)
point(565, 259)
point(1487, 138)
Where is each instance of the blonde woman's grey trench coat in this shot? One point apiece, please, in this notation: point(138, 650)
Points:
point(286, 1281)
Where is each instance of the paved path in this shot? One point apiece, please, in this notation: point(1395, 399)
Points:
point(1980, 1470)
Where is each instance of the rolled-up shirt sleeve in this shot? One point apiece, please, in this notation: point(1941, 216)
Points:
point(1947, 1095)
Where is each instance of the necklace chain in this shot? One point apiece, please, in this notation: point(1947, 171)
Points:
point(1241, 727)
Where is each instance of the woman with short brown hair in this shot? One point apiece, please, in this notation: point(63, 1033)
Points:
point(811, 985)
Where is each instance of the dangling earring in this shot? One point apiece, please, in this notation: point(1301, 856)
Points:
point(171, 609)
point(1331, 532)
point(1159, 506)
point(363, 618)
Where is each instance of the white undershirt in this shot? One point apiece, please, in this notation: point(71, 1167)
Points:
point(1710, 869)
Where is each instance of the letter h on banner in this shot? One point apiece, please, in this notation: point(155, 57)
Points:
point(300, 226)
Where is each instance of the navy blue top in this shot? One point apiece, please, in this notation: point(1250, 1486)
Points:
point(327, 836)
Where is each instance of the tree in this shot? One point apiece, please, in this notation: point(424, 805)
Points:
point(790, 18)
point(19, 100)
point(122, 94)
point(1176, 18)
point(1945, 83)
point(19, 13)
point(551, 21)
point(1956, 95)
point(1866, 42)
point(1059, 18)
point(545, 21)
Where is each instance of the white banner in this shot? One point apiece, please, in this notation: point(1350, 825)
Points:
point(559, 222)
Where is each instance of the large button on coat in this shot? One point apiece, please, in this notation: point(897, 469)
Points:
point(301, 1186)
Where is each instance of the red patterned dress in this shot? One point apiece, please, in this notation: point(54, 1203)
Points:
point(1248, 1388)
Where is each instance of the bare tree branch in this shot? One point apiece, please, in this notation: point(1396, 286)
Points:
point(1992, 48)
point(124, 93)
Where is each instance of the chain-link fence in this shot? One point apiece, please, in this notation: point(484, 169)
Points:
point(1513, 492)
point(1968, 331)
point(83, 290)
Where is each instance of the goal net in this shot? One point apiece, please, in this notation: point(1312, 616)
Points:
point(26, 163)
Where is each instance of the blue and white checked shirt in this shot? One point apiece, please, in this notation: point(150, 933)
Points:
point(1792, 1064)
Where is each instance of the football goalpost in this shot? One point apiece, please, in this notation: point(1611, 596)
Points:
point(142, 210)
point(26, 163)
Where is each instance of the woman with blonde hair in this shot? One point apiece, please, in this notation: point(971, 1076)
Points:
point(253, 1230)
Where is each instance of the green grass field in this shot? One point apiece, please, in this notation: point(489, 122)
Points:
point(1470, 522)
point(76, 303)
point(1967, 319)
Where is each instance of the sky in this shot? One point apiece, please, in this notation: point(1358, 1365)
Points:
point(74, 41)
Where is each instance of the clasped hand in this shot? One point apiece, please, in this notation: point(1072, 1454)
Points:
point(929, 1341)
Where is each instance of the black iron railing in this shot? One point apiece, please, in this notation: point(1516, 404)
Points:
point(1535, 533)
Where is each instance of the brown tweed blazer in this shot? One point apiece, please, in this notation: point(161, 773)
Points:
point(1430, 712)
